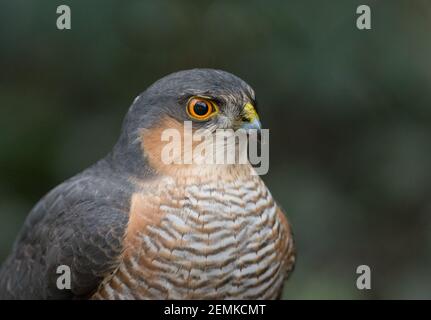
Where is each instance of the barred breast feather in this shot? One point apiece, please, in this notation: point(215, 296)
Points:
point(196, 237)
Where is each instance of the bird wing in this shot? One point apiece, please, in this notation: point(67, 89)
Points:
point(80, 224)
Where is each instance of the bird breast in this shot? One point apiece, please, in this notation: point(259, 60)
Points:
point(201, 239)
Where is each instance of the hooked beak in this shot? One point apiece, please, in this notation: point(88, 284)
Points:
point(250, 118)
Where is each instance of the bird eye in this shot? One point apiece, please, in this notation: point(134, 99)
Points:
point(201, 109)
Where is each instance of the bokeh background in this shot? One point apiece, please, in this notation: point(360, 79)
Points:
point(349, 113)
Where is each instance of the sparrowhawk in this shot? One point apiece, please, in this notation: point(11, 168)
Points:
point(133, 227)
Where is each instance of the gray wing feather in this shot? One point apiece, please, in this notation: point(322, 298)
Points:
point(81, 224)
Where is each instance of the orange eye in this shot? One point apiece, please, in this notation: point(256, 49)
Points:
point(200, 109)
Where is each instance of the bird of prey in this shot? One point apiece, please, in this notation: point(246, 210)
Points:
point(132, 227)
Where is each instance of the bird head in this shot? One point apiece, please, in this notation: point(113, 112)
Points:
point(204, 100)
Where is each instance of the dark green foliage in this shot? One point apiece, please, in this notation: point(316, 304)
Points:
point(349, 113)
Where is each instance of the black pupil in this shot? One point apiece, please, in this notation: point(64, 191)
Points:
point(200, 108)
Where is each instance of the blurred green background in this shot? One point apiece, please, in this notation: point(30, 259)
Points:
point(349, 113)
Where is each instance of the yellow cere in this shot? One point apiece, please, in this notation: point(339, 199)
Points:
point(250, 112)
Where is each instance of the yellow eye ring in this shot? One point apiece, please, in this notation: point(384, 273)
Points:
point(201, 109)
